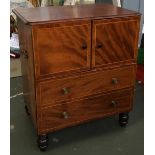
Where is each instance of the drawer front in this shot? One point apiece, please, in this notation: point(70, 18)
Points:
point(67, 114)
point(62, 47)
point(51, 92)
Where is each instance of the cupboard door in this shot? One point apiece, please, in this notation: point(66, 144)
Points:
point(114, 40)
point(62, 47)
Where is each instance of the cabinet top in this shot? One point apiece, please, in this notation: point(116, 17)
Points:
point(60, 13)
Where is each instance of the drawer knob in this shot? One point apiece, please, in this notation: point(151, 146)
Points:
point(65, 115)
point(65, 90)
point(113, 103)
point(114, 80)
point(84, 46)
point(99, 45)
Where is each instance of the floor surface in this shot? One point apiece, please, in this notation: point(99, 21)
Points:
point(15, 68)
point(101, 137)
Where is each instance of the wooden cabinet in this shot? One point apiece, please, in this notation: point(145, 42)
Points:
point(78, 64)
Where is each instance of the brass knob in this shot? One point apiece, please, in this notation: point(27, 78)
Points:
point(65, 90)
point(65, 115)
point(114, 103)
point(114, 80)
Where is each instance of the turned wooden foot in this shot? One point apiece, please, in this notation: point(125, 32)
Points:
point(42, 142)
point(123, 119)
point(27, 110)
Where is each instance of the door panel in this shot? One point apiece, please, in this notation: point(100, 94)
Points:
point(62, 47)
point(114, 40)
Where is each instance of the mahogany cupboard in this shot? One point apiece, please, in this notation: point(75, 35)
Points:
point(78, 64)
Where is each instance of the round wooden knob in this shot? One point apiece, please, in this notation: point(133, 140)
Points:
point(114, 80)
point(99, 45)
point(84, 46)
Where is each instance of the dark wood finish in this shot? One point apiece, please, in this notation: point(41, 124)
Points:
point(59, 13)
point(123, 119)
point(42, 142)
point(68, 114)
point(62, 47)
point(114, 40)
point(52, 91)
point(78, 64)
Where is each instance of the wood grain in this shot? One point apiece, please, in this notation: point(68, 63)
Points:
point(62, 47)
point(52, 118)
point(114, 40)
point(63, 13)
point(51, 91)
point(78, 64)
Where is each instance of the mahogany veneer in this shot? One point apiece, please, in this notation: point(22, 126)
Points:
point(78, 64)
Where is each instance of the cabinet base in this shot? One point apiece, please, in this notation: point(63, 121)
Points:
point(43, 139)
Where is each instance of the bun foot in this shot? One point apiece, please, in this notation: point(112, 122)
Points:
point(43, 142)
point(123, 119)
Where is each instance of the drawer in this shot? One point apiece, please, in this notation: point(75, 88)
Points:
point(67, 114)
point(65, 89)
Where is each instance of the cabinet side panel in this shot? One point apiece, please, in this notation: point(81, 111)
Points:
point(27, 67)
